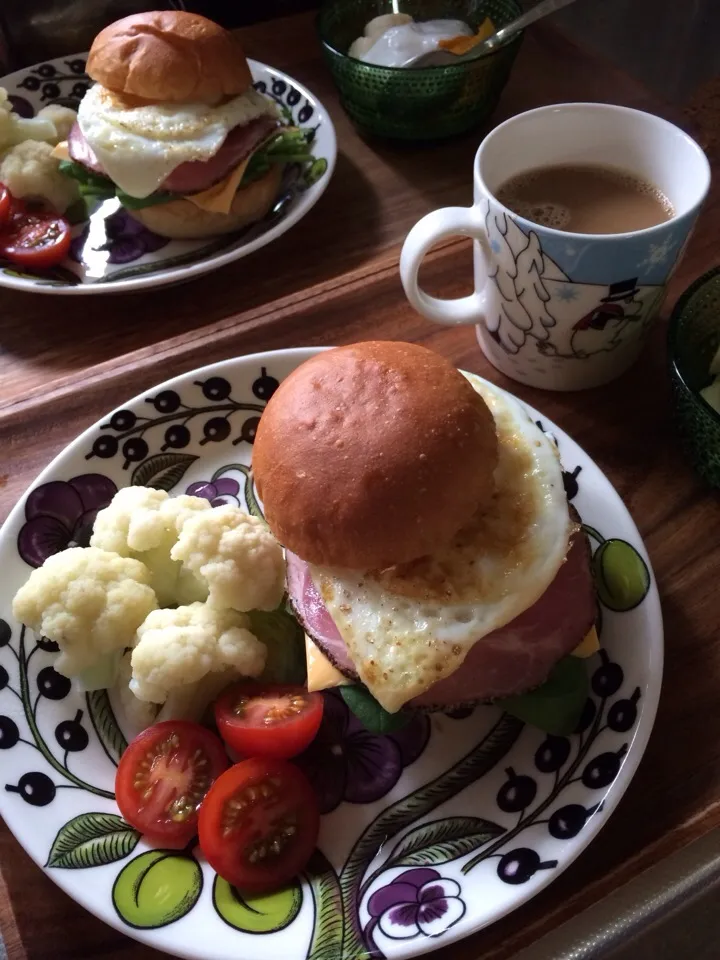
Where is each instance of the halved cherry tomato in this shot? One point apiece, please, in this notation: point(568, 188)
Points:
point(268, 720)
point(163, 777)
point(259, 824)
point(5, 205)
point(34, 239)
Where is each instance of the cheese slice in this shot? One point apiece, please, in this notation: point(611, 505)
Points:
point(462, 44)
point(589, 646)
point(219, 197)
point(321, 674)
point(61, 152)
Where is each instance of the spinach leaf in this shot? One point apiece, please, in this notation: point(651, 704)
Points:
point(285, 642)
point(556, 706)
point(369, 712)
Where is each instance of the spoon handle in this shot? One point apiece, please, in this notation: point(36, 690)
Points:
point(542, 9)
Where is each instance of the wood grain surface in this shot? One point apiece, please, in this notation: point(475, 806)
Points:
point(331, 280)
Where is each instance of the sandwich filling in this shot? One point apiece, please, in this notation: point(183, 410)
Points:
point(154, 153)
point(139, 146)
point(408, 627)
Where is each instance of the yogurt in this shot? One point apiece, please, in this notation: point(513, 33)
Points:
point(396, 40)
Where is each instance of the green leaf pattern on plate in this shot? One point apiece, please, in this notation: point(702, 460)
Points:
point(441, 841)
point(327, 935)
point(106, 726)
point(162, 471)
point(92, 840)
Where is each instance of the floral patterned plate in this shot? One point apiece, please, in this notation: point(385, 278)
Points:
point(428, 834)
point(111, 252)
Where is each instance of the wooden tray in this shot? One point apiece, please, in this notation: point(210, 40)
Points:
point(674, 796)
point(60, 373)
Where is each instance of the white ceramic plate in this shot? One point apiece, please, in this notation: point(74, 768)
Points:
point(428, 834)
point(112, 253)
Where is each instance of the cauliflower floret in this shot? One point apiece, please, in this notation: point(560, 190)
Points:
point(89, 601)
point(29, 170)
point(144, 523)
point(62, 118)
point(236, 556)
point(179, 647)
point(137, 714)
point(14, 128)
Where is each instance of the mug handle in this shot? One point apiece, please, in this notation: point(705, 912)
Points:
point(436, 226)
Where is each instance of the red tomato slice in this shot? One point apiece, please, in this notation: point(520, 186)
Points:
point(163, 777)
point(259, 824)
point(5, 205)
point(268, 720)
point(38, 240)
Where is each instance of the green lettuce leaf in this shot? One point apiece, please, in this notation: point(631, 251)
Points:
point(556, 706)
point(369, 712)
point(285, 641)
point(93, 186)
point(289, 145)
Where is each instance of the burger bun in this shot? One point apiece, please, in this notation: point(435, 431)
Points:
point(373, 454)
point(169, 56)
point(182, 220)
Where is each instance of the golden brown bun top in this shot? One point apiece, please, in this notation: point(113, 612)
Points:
point(169, 55)
point(373, 454)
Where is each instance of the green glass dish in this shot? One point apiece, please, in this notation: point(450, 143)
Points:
point(693, 339)
point(430, 103)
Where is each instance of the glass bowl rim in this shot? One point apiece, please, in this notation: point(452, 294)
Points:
point(673, 337)
point(411, 72)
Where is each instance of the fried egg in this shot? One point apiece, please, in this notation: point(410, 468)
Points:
point(139, 146)
point(411, 625)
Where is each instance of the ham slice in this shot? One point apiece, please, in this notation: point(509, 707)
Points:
point(197, 175)
point(513, 659)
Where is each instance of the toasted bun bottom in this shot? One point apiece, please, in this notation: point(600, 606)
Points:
point(182, 220)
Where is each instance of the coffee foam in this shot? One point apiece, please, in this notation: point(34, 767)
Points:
point(556, 216)
point(552, 215)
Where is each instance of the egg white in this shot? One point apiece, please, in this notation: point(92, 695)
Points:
point(139, 146)
point(408, 627)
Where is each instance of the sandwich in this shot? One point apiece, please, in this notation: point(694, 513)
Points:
point(432, 555)
point(174, 127)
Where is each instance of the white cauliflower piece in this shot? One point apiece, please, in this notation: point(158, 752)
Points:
point(176, 648)
point(144, 523)
point(62, 118)
point(236, 556)
point(192, 701)
point(30, 171)
point(89, 601)
point(14, 128)
point(138, 715)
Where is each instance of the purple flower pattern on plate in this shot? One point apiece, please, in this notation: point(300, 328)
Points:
point(60, 514)
point(127, 239)
point(347, 762)
point(219, 492)
point(418, 901)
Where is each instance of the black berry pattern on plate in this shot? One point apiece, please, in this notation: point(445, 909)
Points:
point(71, 736)
point(212, 416)
point(55, 85)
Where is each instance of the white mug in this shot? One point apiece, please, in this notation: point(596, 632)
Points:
point(553, 309)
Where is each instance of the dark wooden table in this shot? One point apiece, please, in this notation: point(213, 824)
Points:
point(333, 279)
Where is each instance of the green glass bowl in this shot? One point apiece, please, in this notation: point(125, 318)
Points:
point(693, 339)
point(430, 103)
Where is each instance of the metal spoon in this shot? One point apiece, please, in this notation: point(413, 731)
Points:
point(442, 58)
